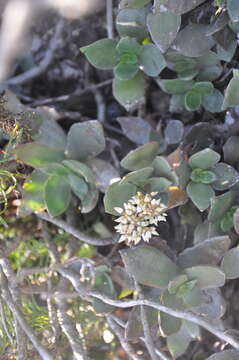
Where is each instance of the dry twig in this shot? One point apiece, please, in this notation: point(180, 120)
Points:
point(76, 93)
point(75, 232)
point(109, 19)
point(124, 343)
point(45, 63)
point(44, 354)
point(74, 278)
point(68, 326)
point(144, 319)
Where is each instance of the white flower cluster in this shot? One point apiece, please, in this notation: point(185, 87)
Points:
point(139, 217)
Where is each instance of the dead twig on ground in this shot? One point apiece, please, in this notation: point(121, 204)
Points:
point(45, 63)
point(76, 93)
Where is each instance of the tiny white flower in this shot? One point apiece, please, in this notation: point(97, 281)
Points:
point(154, 193)
point(139, 217)
point(118, 210)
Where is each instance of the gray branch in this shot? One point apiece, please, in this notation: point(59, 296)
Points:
point(13, 286)
point(109, 19)
point(68, 327)
point(75, 232)
point(131, 303)
point(45, 63)
point(160, 354)
point(124, 343)
point(147, 333)
point(44, 354)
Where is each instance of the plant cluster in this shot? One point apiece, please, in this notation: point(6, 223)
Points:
point(155, 40)
point(152, 184)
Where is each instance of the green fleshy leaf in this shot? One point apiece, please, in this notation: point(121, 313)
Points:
point(134, 327)
point(81, 170)
point(178, 343)
point(208, 252)
point(116, 195)
point(163, 169)
point(185, 288)
point(129, 92)
point(207, 276)
point(149, 266)
point(176, 283)
point(168, 324)
point(200, 194)
point(132, 23)
point(226, 175)
point(126, 71)
point(182, 6)
point(227, 222)
point(230, 263)
point(174, 132)
point(55, 169)
point(151, 60)
point(78, 186)
point(231, 97)
point(138, 176)
point(233, 9)
point(104, 172)
point(175, 86)
point(220, 205)
point(231, 150)
point(89, 202)
point(141, 157)
point(158, 184)
point(204, 87)
point(129, 45)
point(192, 100)
point(102, 53)
point(193, 41)
point(213, 102)
point(85, 140)
point(38, 155)
point(204, 159)
point(33, 191)
point(57, 195)
point(163, 28)
point(203, 176)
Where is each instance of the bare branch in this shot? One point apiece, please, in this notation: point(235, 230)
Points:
point(4, 323)
point(173, 312)
point(109, 19)
point(124, 343)
point(147, 333)
point(52, 311)
point(45, 355)
point(68, 327)
point(100, 104)
point(77, 93)
point(75, 232)
point(13, 286)
point(45, 63)
point(160, 354)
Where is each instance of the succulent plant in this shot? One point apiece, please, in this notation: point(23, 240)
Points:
point(59, 172)
point(208, 174)
point(152, 38)
point(149, 173)
point(184, 286)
